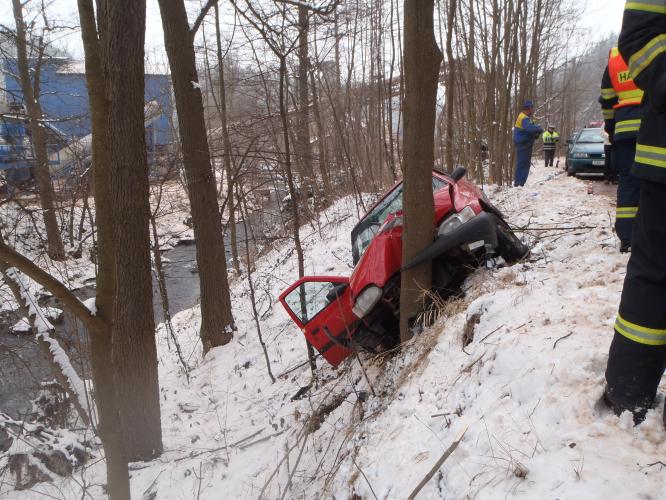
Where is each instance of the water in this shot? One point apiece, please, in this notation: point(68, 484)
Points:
point(22, 364)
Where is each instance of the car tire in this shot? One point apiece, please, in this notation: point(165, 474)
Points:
point(571, 172)
point(509, 246)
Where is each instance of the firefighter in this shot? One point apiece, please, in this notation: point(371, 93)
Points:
point(621, 105)
point(637, 356)
point(525, 132)
point(550, 139)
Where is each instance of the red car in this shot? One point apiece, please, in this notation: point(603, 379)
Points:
point(338, 315)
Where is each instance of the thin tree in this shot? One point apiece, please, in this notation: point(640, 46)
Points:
point(422, 59)
point(31, 98)
point(216, 318)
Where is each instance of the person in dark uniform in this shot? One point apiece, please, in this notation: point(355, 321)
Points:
point(621, 103)
point(637, 356)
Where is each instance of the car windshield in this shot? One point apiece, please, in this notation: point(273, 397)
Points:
point(366, 230)
point(591, 136)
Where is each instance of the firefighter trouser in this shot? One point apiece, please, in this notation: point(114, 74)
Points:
point(610, 173)
point(548, 156)
point(637, 356)
point(628, 189)
point(523, 159)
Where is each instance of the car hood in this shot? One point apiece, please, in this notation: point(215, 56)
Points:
point(588, 147)
point(383, 257)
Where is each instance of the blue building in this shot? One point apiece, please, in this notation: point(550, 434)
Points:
point(65, 107)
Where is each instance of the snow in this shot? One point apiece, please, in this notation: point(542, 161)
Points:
point(43, 330)
point(91, 304)
point(525, 389)
point(23, 325)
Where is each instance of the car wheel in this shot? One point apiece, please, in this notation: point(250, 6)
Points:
point(509, 246)
point(571, 172)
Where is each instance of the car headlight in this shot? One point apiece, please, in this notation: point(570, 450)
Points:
point(580, 155)
point(456, 220)
point(366, 300)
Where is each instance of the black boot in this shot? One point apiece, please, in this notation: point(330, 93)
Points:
point(632, 376)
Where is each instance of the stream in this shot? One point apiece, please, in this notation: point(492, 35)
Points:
point(22, 364)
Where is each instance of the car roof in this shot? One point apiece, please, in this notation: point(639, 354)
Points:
point(438, 173)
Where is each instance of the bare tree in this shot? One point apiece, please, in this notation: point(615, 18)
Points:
point(422, 59)
point(31, 98)
point(216, 317)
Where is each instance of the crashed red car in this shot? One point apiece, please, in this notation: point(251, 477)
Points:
point(338, 315)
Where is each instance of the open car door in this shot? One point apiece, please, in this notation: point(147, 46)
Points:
point(321, 307)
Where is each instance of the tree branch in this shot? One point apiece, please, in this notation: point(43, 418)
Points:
point(204, 11)
point(60, 291)
point(322, 11)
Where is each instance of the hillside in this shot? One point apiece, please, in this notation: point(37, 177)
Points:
point(525, 388)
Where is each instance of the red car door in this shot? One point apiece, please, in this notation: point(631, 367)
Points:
point(321, 307)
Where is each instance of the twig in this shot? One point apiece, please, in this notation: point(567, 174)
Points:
point(484, 338)
point(260, 440)
point(233, 445)
point(562, 338)
point(366, 479)
point(436, 467)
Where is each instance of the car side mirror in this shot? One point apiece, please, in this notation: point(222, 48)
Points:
point(458, 173)
point(336, 292)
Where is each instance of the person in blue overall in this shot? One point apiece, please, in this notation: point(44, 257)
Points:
point(525, 132)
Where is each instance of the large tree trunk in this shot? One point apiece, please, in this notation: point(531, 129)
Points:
point(422, 59)
point(216, 319)
point(30, 91)
point(108, 425)
point(133, 354)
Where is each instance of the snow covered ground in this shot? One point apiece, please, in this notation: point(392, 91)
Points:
point(524, 389)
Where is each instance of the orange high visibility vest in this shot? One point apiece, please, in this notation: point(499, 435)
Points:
point(628, 93)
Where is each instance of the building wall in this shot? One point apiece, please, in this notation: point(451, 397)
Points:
point(64, 98)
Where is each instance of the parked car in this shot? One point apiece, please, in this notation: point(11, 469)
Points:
point(585, 152)
point(338, 314)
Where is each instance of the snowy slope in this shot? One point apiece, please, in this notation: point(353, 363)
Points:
point(525, 388)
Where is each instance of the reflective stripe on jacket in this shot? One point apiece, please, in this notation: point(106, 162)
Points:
point(550, 139)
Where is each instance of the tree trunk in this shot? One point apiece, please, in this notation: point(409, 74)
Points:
point(422, 59)
point(228, 171)
point(304, 150)
point(292, 190)
point(450, 84)
point(108, 425)
point(216, 319)
point(133, 352)
point(31, 96)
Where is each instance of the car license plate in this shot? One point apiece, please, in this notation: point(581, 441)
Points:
point(600, 163)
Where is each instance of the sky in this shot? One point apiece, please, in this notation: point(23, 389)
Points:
point(601, 17)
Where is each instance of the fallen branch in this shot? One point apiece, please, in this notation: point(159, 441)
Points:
point(436, 467)
point(562, 338)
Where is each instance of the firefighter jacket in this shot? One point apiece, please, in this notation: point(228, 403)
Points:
point(643, 45)
point(550, 140)
point(525, 130)
point(620, 100)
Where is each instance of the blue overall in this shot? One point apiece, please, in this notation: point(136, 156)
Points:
point(525, 132)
